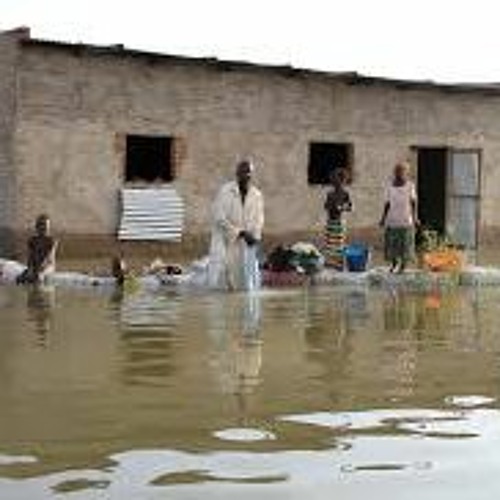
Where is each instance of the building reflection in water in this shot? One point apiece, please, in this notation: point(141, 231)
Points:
point(418, 326)
point(333, 321)
point(350, 333)
point(40, 303)
point(399, 354)
point(148, 324)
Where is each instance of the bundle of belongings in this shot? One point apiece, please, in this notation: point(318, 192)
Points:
point(444, 260)
point(165, 273)
point(437, 254)
point(292, 265)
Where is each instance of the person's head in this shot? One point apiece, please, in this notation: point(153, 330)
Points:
point(401, 172)
point(244, 171)
point(42, 224)
point(339, 177)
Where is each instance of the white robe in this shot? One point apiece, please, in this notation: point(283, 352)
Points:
point(228, 252)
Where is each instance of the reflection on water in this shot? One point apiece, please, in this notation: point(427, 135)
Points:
point(148, 338)
point(40, 301)
point(282, 393)
point(233, 327)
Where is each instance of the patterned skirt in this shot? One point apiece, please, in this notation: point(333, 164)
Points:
point(334, 243)
point(400, 244)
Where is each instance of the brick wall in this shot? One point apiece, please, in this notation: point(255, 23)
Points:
point(77, 104)
point(8, 55)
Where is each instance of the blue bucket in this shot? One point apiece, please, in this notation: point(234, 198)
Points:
point(356, 257)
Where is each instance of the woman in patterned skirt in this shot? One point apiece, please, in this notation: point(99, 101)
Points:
point(337, 202)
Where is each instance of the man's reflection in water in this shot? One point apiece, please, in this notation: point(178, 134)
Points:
point(235, 330)
point(40, 301)
point(331, 319)
point(329, 334)
point(249, 350)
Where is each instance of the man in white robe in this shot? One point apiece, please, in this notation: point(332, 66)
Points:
point(237, 221)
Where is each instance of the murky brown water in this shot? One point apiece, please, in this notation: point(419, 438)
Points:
point(308, 393)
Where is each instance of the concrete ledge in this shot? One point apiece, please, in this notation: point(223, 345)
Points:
point(83, 246)
point(192, 246)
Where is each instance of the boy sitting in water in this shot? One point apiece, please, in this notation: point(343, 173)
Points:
point(41, 253)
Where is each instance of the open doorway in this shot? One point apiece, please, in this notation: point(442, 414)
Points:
point(449, 192)
point(431, 187)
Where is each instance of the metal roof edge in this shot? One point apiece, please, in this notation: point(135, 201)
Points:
point(349, 78)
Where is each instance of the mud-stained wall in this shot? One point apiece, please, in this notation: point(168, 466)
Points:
point(8, 54)
point(77, 104)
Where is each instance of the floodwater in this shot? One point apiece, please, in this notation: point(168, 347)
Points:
point(316, 393)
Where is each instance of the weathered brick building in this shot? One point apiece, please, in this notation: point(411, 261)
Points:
point(78, 123)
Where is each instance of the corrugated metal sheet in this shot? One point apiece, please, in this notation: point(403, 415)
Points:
point(151, 214)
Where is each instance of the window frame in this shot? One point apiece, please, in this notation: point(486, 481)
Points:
point(322, 178)
point(166, 174)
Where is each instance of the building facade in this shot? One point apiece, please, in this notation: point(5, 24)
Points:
point(80, 123)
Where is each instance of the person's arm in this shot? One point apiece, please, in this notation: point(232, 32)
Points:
point(31, 253)
point(328, 205)
point(222, 215)
point(347, 202)
point(26, 275)
point(414, 206)
point(50, 257)
point(52, 254)
point(384, 214)
point(387, 206)
point(256, 219)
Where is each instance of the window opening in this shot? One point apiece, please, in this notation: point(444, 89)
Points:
point(149, 159)
point(325, 157)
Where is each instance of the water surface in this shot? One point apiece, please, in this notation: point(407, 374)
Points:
point(348, 393)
